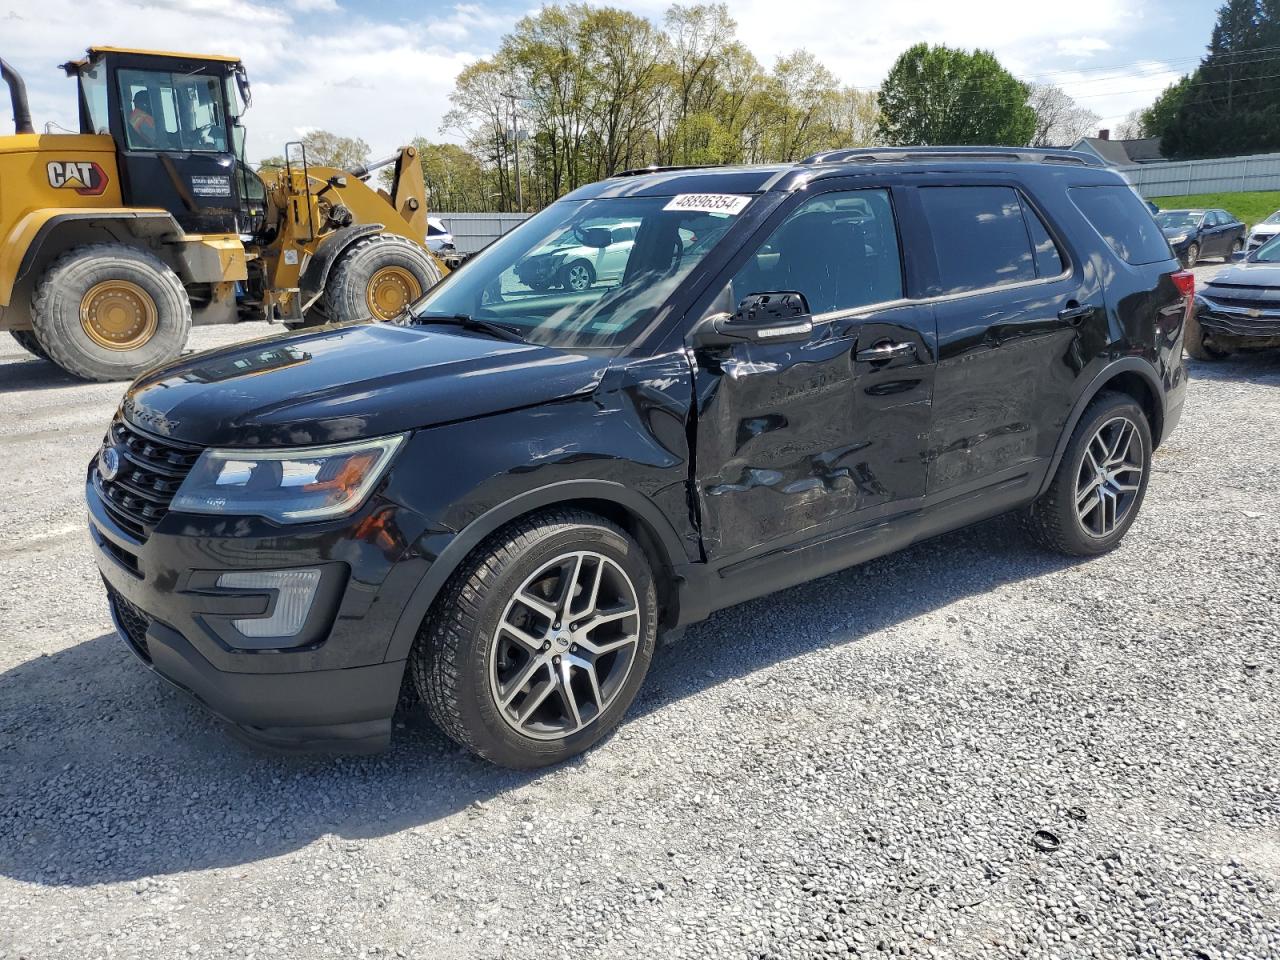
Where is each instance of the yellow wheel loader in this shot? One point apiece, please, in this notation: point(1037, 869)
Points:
point(114, 241)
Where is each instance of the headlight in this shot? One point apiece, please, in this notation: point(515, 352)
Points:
point(288, 486)
point(1178, 239)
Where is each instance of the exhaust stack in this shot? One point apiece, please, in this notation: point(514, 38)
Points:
point(18, 95)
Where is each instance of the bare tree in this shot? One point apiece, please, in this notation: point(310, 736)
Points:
point(1131, 127)
point(1060, 121)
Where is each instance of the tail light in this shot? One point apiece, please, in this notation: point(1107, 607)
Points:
point(1185, 281)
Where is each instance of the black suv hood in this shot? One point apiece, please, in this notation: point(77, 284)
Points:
point(349, 382)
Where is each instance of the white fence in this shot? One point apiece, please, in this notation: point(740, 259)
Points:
point(1225, 175)
point(473, 232)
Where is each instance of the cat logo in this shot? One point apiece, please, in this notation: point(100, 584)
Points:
point(83, 176)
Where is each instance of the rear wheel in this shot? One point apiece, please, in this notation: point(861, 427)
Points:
point(1098, 488)
point(27, 340)
point(110, 311)
point(540, 640)
point(1236, 248)
point(378, 278)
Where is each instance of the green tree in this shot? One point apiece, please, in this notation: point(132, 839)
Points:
point(1232, 106)
point(1158, 117)
point(939, 95)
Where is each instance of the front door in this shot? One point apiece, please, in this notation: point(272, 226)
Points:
point(173, 140)
point(798, 440)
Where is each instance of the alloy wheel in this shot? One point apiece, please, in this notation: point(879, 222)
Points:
point(1110, 477)
point(579, 277)
point(565, 645)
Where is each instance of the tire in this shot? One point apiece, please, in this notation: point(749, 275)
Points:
point(1053, 520)
point(463, 664)
point(143, 314)
point(1196, 344)
point(1235, 248)
point(577, 276)
point(377, 278)
point(27, 340)
point(1192, 256)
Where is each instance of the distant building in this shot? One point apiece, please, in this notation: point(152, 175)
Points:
point(1121, 153)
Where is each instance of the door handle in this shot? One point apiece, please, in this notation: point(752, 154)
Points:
point(1076, 313)
point(884, 351)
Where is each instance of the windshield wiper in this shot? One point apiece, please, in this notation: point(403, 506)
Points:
point(468, 322)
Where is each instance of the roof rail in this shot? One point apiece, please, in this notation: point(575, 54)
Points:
point(900, 154)
point(641, 171)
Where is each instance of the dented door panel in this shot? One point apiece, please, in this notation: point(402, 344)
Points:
point(795, 440)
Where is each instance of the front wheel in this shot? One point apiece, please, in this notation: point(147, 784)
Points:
point(378, 278)
point(540, 640)
point(1099, 485)
point(577, 276)
point(1196, 343)
point(109, 311)
point(1192, 256)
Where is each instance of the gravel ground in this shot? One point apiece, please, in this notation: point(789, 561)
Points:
point(858, 766)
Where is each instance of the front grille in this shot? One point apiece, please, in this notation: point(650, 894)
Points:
point(133, 623)
point(1242, 301)
point(151, 471)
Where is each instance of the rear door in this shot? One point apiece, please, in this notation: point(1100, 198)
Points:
point(1010, 305)
point(796, 440)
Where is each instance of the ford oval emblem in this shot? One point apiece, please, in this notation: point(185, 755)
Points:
point(108, 463)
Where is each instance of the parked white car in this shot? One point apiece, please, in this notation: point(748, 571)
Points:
point(570, 263)
point(1264, 231)
point(439, 237)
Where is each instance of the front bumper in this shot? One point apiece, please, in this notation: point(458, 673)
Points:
point(1258, 321)
point(333, 689)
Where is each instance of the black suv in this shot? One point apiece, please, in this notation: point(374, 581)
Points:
point(502, 500)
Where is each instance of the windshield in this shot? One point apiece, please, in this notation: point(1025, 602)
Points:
point(582, 274)
point(1274, 218)
point(1177, 220)
point(1269, 252)
point(171, 111)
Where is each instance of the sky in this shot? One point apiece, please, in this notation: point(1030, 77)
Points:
point(383, 70)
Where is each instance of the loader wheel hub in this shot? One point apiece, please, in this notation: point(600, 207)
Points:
point(391, 290)
point(118, 315)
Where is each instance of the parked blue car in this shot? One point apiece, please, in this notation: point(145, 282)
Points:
point(1195, 234)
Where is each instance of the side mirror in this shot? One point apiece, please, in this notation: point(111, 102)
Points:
point(598, 237)
point(781, 317)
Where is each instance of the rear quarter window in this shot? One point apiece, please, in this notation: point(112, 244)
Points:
point(1122, 220)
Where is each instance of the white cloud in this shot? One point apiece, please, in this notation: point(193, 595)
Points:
point(385, 82)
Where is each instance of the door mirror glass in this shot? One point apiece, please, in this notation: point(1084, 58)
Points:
point(598, 237)
point(780, 317)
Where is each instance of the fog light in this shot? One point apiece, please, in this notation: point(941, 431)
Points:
point(294, 590)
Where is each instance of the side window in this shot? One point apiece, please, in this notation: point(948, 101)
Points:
point(1048, 256)
point(979, 237)
point(838, 249)
point(1121, 219)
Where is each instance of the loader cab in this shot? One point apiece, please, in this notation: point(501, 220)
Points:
point(175, 122)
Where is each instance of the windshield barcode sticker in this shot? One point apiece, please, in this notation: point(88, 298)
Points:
point(729, 203)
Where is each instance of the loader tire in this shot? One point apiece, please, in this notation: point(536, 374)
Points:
point(27, 340)
point(378, 278)
point(109, 311)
